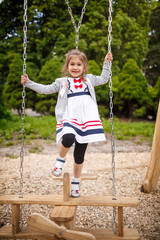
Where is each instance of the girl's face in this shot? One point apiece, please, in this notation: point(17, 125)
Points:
point(75, 67)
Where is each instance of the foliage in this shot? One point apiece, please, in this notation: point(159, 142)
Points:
point(132, 97)
point(93, 68)
point(41, 127)
point(12, 92)
point(4, 113)
point(154, 93)
point(125, 130)
point(49, 72)
point(50, 32)
point(152, 61)
point(130, 39)
point(8, 126)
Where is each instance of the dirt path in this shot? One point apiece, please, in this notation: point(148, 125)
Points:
point(131, 165)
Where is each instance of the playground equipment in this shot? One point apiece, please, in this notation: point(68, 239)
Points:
point(62, 219)
point(61, 224)
point(153, 172)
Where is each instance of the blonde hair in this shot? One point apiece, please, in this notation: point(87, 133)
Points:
point(82, 57)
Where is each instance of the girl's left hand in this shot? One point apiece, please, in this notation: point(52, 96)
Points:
point(108, 57)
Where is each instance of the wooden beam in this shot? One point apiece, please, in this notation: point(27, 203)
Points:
point(153, 172)
point(120, 221)
point(84, 176)
point(100, 234)
point(107, 234)
point(66, 187)
point(15, 219)
point(81, 201)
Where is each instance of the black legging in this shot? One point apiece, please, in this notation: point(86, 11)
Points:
point(79, 150)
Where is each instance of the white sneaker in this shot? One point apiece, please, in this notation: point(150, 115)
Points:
point(56, 170)
point(76, 192)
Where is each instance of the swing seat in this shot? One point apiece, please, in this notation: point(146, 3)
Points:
point(64, 216)
point(81, 201)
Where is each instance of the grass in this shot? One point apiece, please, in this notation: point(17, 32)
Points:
point(44, 127)
point(125, 130)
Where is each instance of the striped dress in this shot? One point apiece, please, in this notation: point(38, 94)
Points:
point(81, 115)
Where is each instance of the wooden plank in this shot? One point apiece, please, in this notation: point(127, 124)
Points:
point(64, 216)
point(84, 176)
point(6, 232)
point(100, 234)
point(63, 213)
point(15, 218)
point(120, 221)
point(107, 234)
point(66, 187)
point(81, 201)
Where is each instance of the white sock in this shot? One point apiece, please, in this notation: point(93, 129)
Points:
point(74, 185)
point(59, 162)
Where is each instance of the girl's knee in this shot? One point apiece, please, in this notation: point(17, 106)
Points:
point(78, 160)
point(68, 140)
point(79, 152)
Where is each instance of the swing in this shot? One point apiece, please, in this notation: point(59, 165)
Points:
point(62, 219)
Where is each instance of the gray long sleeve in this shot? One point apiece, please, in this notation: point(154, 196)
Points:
point(43, 89)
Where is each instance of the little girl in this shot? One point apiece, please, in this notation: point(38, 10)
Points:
point(76, 111)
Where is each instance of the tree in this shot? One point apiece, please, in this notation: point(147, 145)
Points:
point(49, 72)
point(132, 97)
point(154, 93)
point(12, 93)
point(50, 31)
point(151, 65)
point(129, 40)
point(3, 110)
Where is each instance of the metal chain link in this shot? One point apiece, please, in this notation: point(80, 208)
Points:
point(111, 117)
point(23, 107)
point(73, 20)
point(23, 97)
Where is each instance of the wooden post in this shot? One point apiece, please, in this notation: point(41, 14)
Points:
point(120, 221)
point(15, 218)
point(152, 176)
point(66, 187)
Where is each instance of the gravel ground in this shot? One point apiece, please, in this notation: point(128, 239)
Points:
point(131, 166)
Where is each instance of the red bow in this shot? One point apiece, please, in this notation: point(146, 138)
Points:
point(80, 86)
point(79, 80)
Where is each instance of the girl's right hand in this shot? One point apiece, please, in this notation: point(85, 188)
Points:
point(24, 79)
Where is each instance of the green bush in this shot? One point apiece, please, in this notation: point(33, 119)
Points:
point(12, 93)
point(49, 72)
point(103, 111)
point(132, 96)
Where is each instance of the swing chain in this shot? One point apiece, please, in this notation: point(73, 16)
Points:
point(23, 97)
point(73, 20)
point(111, 117)
point(23, 107)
